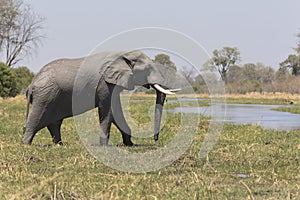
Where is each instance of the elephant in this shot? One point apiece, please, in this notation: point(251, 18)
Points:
point(68, 87)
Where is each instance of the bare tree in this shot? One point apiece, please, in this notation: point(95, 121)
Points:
point(8, 13)
point(19, 31)
point(189, 74)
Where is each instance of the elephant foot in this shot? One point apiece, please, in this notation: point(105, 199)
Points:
point(60, 143)
point(103, 141)
point(128, 143)
point(26, 141)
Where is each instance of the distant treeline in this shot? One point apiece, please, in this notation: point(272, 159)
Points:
point(239, 79)
point(254, 78)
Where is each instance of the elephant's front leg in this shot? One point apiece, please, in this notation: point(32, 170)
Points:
point(119, 119)
point(105, 117)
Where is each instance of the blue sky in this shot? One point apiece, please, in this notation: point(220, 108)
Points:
point(263, 30)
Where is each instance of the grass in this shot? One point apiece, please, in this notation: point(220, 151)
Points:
point(290, 109)
point(266, 98)
point(249, 98)
point(275, 101)
point(246, 163)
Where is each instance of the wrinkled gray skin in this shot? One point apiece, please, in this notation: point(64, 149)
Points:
point(68, 87)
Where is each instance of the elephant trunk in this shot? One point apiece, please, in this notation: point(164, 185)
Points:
point(160, 99)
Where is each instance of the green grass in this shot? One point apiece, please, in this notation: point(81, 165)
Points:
point(270, 101)
point(290, 109)
point(246, 163)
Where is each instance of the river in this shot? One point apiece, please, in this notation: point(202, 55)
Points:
point(258, 114)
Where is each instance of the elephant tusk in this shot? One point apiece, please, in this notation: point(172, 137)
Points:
point(159, 88)
point(175, 90)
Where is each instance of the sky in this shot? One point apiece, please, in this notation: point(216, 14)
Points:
point(263, 30)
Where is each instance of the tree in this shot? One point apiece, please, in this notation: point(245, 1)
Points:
point(7, 16)
point(267, 74)
point(165, 61)
point(8, 86)
point(167, 68)
point(234, 74)
point(250, 72)
point(249, 78)
point(297, 49)
point(292, 63)
point(23, 78)
point(19, 31)
point(225, 58)
point(282, 74)
point(188, 74)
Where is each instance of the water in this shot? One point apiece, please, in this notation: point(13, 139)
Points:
point(249, 114)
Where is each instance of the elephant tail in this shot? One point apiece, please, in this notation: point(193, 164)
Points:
point(28, 101)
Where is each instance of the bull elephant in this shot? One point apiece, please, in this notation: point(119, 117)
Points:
point(68, 87)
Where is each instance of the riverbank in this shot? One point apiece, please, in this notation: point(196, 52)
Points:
point(249, 98)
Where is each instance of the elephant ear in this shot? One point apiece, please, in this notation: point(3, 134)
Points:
point(119, 72)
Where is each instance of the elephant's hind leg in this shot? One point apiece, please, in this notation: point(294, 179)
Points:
point(54, 129)
point(28, 135)
point(33, 124)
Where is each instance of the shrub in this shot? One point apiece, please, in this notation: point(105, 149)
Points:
point(8, 83)
point(23, 78)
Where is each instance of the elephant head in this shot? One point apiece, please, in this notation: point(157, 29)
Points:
point(134, 68)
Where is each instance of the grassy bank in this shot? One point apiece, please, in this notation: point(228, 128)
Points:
point(246, 163)
point(249, 98)
point(290, 109)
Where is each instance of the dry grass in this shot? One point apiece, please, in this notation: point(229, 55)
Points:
point(254, 95)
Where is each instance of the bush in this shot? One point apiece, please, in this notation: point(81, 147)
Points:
point(8, 82)
point(23, 78)
point(244, 86)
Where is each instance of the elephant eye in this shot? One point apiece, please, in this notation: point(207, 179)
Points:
point(133, 62)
